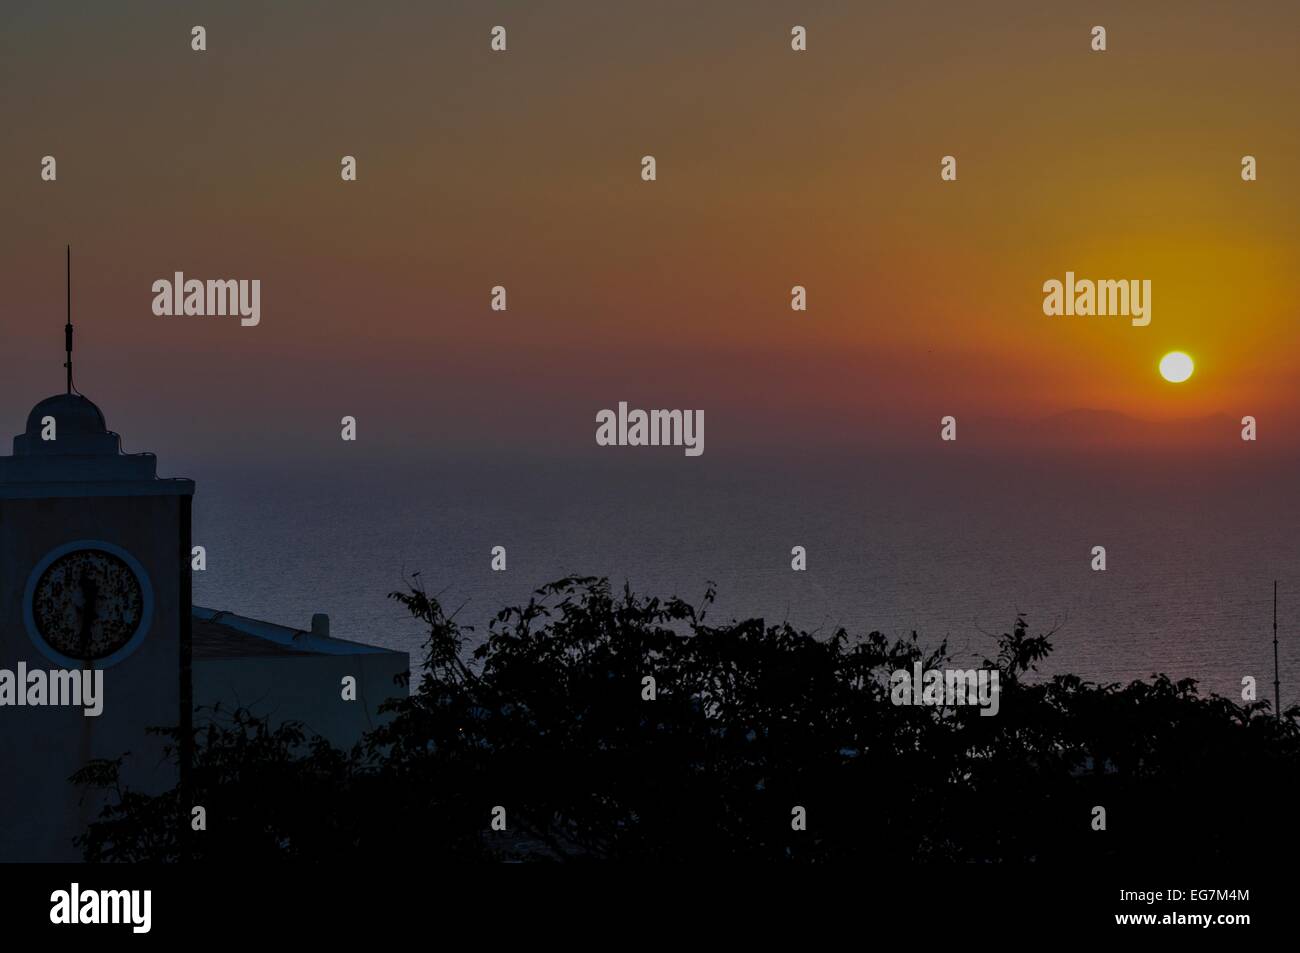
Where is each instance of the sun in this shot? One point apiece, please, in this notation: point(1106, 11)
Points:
point(1176, 367)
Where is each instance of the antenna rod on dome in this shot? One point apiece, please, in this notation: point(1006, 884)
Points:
point(67, 328)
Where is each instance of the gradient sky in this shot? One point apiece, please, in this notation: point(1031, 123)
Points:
point(522, 169)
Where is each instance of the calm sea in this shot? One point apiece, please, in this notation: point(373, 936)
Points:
point(951, 547)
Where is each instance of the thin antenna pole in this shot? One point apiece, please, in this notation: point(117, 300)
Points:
point(67, 328)
point(1277, 685)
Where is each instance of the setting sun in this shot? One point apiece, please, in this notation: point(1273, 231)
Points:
point(1176, 367)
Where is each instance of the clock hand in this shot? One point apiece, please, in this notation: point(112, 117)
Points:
point(89, 596)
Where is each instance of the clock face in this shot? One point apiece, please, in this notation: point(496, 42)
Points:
point(87, 604)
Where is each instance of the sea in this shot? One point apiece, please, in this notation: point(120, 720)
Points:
point(951, 547)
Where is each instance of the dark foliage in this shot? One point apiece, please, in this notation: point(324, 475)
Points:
point(546, 717)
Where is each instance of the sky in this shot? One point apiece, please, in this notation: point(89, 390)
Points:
point(522, 169)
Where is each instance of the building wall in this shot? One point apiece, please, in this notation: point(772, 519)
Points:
point(305, 688)
point(41, 747)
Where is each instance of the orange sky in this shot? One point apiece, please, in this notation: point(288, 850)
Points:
point(522, 169)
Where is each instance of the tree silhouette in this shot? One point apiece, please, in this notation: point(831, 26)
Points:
point(546, 717)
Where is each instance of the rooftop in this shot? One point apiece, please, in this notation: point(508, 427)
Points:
point(67, 449)
point(225, 635)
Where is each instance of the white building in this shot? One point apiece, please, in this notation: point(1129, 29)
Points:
point(286, 674)
point(95, 576)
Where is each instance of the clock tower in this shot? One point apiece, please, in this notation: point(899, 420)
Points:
point(94, 579)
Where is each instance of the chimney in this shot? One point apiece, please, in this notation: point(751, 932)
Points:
point(320, 625)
